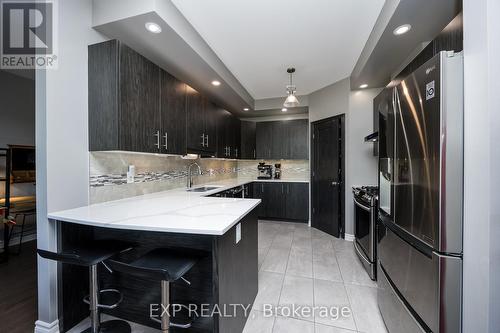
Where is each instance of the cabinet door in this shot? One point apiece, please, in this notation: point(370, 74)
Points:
point(103, 86)
point(297, 139)
point(274, 194)
point(297, 201)
point(229, 139)
point(258, 193)
point(173, 114)
point(248, 140)
point(235, 131)
point(210, 116)
point(280, 140)
point(264, 141)
point(221, 119)
point(140, 123)
point(195, 118)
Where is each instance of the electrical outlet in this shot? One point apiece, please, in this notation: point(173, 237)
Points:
point(238, 233)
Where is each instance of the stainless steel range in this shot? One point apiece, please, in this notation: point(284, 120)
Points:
point(365, 221)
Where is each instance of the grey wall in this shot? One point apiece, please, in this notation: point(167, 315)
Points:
point(481, 284)
point(329, 101)
point(17, 120)
point(361, 165)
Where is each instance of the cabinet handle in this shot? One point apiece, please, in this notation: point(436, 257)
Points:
point(262, 187)
point(254, 154)
point(236, 152)
point(166, 140)
point(207, 141)
point(157, 134)
point(203, 140)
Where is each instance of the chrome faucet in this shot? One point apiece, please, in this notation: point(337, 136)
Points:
point(190, 174)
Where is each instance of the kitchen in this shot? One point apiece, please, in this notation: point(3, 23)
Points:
point(336, 188)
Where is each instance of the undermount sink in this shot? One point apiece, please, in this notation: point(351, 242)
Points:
point(203, 188)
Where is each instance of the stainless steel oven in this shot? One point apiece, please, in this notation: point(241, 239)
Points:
point(365, 208)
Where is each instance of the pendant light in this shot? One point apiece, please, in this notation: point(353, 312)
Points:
point(291, 100)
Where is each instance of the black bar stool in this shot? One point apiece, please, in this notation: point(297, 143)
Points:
point(165, 265)
point(90, 255)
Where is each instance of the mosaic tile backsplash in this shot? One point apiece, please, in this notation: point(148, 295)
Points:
point(154, 173)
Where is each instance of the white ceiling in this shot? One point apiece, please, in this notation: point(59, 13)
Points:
point(258, 39)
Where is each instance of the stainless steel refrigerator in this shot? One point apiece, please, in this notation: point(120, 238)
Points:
point(421, 194)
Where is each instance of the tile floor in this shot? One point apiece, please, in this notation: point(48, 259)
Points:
point(306, 267)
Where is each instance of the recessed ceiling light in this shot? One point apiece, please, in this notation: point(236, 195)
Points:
point(284, 110)
point(363, 86)
point(402, 29)
point(153, 27)
point(216, 83)
point(246, 109)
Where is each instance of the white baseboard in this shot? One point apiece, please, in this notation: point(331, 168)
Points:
point(43, 327)
point(349, 237)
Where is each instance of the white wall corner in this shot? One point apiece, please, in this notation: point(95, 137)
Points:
point(349, 237)
point(43, 327)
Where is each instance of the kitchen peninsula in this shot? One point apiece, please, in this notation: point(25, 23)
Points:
point(224, 228)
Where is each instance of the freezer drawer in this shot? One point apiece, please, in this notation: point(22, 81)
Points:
point(429, 283)
point(397, 317)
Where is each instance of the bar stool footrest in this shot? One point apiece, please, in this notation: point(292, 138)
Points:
point(181, 319)
point(105, 292)
point(112, 326)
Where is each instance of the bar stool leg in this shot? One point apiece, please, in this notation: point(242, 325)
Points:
point(95, 319)
point(165, 301)
point(110, 326)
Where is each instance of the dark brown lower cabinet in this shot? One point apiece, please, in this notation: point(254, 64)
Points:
point(283, 200)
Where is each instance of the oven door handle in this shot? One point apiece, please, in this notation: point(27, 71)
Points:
point(360, 253)
point(361, 205)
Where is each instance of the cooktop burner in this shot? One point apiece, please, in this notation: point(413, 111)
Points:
point(367, 193)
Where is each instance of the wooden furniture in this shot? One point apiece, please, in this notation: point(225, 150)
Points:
point(19, 168)
point(201, 125)
point(282, 139)
point(248, 140)
point(228, 135)
point(134, 105)
point(22, 207)
point(283, 200)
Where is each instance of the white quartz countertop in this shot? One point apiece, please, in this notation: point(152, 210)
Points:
point(176, 211)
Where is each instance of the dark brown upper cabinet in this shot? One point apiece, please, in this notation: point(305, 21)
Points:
point(282, 139)
point(124, 99)
point(264, 134)
point(248, 149)
point(133, 104)
point(228, 135)
point(235, 137)
point(173, 114)
point(201, 123)
point(297, 143)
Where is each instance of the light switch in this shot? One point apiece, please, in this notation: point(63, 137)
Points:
point(238, 233)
